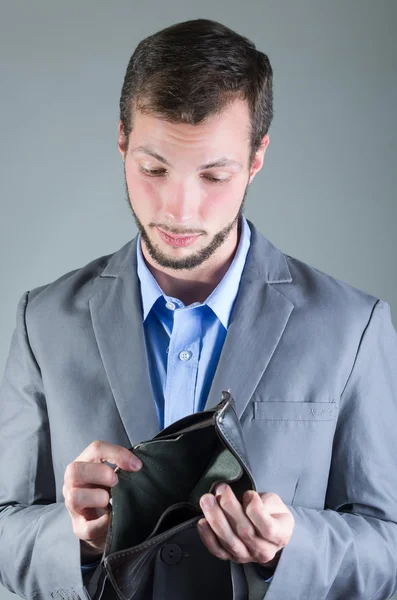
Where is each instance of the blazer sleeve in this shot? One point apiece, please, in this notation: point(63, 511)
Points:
point(349, 549)
point(39, 552)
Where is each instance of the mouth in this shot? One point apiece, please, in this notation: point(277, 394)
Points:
point(179, 241)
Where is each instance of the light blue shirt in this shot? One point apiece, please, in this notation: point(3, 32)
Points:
point(184, 343)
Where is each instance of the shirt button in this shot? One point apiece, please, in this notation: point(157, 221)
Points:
point(170, 305)
point(185, 355)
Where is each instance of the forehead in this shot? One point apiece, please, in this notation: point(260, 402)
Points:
point(229, 130)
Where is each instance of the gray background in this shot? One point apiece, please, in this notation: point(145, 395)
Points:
point(326, 193)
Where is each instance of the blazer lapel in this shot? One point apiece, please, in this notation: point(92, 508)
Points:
point(259, 317)
point(117, 321)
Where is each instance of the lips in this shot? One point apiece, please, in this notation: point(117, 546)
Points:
point(177, 241)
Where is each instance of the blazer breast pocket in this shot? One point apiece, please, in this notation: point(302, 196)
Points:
point(281, 410)
point(290, 442)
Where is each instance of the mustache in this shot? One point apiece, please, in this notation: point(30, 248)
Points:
point(174, 231)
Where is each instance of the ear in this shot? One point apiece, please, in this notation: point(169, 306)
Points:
point(259, 156)
point(122, 140)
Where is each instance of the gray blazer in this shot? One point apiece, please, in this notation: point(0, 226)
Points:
point(312, 364)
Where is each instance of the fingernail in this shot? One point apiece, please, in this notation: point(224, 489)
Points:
point(202, 523)
point(208, 501)
point(220, 488)
point(248, 496)
point(135, 464)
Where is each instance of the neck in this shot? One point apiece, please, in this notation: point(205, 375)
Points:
point(197, 284)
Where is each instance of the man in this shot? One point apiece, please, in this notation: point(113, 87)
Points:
point(109, 354)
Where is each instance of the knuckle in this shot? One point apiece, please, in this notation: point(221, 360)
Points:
point(68, 472)
point(72, 472)
point(78, 524)
point(271, 495)
point(96, 445)
point(244, 532)
point(269, 498)
point(269, 531)
point(214, 548)
point(284, 539)
point(77, 529)
point(125, 456)
point(65, 490)
point(73, 497)
point(263, 556)
point(124, 453)
point(85, 530)
point(234, 548)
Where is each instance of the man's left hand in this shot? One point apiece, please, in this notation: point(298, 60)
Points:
point(255, 531)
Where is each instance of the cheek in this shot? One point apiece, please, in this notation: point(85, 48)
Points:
point(148, 189)
point(223, 199)
point(143, 193)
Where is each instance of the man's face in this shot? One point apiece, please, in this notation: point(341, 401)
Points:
point(187, 210)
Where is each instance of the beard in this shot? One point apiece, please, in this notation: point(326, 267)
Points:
point(197, 258)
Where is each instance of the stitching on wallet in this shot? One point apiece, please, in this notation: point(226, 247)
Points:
point(154, 540)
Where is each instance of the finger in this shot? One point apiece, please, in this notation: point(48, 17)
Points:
point(94, 513)
point(270, 528)
point(101, 451)
point(222, 528)
point(78, 474)
point(272, 502)
point(77, 499)
point(260, 550)
point(92, 530)
point(98, 485)
point(234, 511)
point(209, 539)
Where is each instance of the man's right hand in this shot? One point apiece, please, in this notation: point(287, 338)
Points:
point(87, 483)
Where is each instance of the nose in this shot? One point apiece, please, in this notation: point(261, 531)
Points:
point(180, 203)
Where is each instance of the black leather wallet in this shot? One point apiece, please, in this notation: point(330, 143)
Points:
point(150, 506)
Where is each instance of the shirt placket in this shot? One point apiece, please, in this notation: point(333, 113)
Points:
point(182, 365)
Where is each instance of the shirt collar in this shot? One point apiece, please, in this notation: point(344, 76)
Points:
point(221, 298)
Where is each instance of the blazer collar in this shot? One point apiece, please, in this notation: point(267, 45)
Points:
point(264, 259)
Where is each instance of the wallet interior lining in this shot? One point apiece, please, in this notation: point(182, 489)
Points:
point(174, 471)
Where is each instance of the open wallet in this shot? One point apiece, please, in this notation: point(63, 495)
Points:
point(155, 509)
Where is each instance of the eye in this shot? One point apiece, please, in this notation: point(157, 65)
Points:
point(160, 172)
point(216, 179)
point(153, 172)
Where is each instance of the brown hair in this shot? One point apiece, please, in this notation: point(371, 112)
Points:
point(192, 70)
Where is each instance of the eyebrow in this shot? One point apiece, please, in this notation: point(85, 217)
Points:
point(224, 161)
